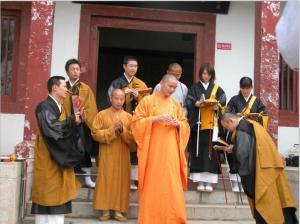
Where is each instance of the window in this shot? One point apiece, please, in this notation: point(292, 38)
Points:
point(9, 52)
point(288, 98)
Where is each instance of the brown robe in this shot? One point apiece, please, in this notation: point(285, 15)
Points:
point(112, 184)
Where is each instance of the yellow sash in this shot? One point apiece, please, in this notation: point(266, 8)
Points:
point(207, 112)
point(247, 111)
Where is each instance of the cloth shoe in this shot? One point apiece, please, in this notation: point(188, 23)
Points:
point(88, 182)
point(119, 217)
point(208, 188)
point(200, 187)
point(105, 216)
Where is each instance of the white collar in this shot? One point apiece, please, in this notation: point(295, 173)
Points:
point(129, 80)
point(248, 97)
point(57, 103)
point(71, 84)
point(205, 85)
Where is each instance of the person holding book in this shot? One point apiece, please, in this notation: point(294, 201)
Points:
point(205, 101)
point(135, 89)
point(181, 89)
point(261, 170)
point(247, 105)
point(111, 128)
point(80, 96)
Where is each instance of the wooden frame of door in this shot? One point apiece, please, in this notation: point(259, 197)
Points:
point(93, 17)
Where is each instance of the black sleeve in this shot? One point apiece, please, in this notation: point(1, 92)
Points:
point(64, 146)
point(242, 150)
point(221, 96)
point(190, 101)
point(230, 106)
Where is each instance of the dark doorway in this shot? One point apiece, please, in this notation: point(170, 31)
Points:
point(154, 50)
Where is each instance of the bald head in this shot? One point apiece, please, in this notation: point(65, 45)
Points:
point(230, 121)
point(168, 85)
point(168, 77)
point(175, 69)
point(229, 116)
point(117, 99)
point(117, 91)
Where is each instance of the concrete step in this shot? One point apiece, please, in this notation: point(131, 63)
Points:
point(191, 196)
point(30, 220)
point(84, 209)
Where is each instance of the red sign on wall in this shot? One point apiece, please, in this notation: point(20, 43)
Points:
point(224, 46)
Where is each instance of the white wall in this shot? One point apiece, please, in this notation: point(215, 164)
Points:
point(287, 137)
point(237, 28)
point(65, 35)
point(11, 132)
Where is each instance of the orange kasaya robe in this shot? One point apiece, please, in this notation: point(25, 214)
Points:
point(272, 191)
point(162, 169)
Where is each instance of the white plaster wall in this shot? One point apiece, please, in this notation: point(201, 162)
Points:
point(237, 28)
point(287, 137)
point(65, 35)
point(11, 132)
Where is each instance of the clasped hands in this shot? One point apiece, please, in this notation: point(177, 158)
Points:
point(133, 92)
point(80, 116)
point(118, 127)
point(169, 120)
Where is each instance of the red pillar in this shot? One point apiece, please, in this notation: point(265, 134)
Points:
point(266, 68)
point(38, 62)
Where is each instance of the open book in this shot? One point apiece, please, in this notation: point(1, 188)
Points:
point(209, 102)
point(220, 144)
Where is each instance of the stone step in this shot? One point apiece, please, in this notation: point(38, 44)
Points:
point(84, 209)
point(30, 220)
point(191, 197)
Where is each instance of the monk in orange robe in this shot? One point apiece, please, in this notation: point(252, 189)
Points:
point(161, 132)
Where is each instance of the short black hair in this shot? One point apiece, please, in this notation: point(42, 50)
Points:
point(54, 80)
point(70, 62)
point(210, 70)
point(245, 82)
point(128, 58)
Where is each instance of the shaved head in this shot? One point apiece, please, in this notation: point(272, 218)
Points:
point(117, 91)
point(168, 77)
point(117, 99)
point(229, 116)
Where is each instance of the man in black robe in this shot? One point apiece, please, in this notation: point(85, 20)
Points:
point(57, 150)
point(243, 104)
point(261, 170)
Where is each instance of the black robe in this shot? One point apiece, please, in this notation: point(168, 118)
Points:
point(121, 83)
point(244, 156)
point(236, 105)
point(65, 148)
point(202, 163)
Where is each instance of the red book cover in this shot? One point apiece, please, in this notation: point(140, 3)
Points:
point(77, 102)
